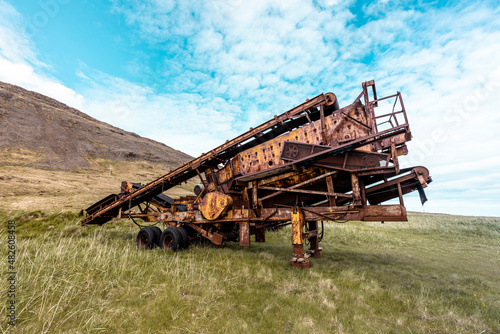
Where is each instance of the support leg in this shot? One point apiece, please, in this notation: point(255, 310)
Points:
point(355, 190)
point(299, 260)
point(245, 234)
point(314, 249)
point(260, 234)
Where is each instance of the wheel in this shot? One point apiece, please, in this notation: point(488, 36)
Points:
point(171, 239)
point(146, 238)
point(292, 151)
point(157, 231)
point(185, 237)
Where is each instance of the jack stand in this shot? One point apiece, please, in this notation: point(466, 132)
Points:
point(315, 252)
point(314, 249)
point(299, 260)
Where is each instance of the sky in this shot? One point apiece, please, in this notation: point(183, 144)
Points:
point(193, 74)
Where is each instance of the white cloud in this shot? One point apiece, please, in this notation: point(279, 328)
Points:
point(19, 64)
point(176, 120)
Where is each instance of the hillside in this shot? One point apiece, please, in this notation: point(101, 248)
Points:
point(39, 131)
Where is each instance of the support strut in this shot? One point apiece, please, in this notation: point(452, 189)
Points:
point(299, 260)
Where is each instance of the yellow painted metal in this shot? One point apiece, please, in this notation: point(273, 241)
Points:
point(340, 127)
point(215, 204)
point(293, 178)
point(225, 174)
point(297, 226)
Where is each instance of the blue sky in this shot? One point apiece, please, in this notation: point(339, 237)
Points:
point(192, 74)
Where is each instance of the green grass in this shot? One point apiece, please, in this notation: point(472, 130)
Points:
point(434, 274)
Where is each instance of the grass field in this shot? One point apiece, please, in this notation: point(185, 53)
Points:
point(29, 188)
point(434, 274)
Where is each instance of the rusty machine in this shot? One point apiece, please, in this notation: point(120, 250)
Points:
point(316, 162)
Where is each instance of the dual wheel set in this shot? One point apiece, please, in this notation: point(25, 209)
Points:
point(172, 238)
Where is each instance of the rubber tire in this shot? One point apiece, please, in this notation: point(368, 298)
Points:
point(185, 237)
point(171, 239)
point(146, 238)
point(157, 231)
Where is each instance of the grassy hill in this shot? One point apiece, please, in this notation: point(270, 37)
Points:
point(39, 131)
point(434, 274)
point(32, 188)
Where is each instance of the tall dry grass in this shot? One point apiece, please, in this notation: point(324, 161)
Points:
point(416, 277)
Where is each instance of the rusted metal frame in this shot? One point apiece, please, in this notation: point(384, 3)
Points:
point(204, 182)
point(137, 215)
point(335, 150)
point(362, 190)
point(260, 234)
point(140, 195)
point(391, 192)
point(308, 116)
point(154, 207)
point(188, 167)
point(290, 114)
point(355, 120)
point(340, 169)
point(382, 123)
point(231, 168)
point(214, 237)
point(344, 214)
point(255, 199)
point(272, 224)
point(394, 156)
point(345, 160)
point(422, 181)
point(394, 113)
point(374, 90)
point(390, 121)
point(198, 198)
point(275, 178)
point(215, 181)
point(387, 161)
point(393, 107)
point(385, 213)
point(244, 233)
point(298, 221)
point(368, 108)
point(301, 191)
point(358, 99)
point(378, 171)
point(312, 148)
point(403, 107)
point(331, 189)
point(352, 145)
point(271, 214)
point(371, 105)
point(388, 183)
point(312, 236)
point(384, 98)
point(140, 208)
point(323, 127)
point(391, 114)
point(400, 194)
point(324, 216)
point(356, 194)
point(312, 232)
point(298, 185)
